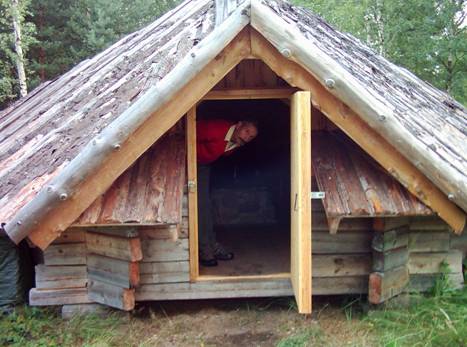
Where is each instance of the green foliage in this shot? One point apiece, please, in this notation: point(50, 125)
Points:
point(28, 326)
point(312, 336)
point(437, 319)
point(428, 37)
point(58, 34)
point(8, 84)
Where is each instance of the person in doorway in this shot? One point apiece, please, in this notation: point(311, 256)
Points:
point(214, 139)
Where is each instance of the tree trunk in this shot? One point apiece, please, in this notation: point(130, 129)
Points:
point(15, 15)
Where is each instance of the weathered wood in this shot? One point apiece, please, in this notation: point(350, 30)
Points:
point(459, 242)
point(58, 296)
point(109, 295)
point(165, 250)
point(385, 285)
point(162, 232)
point(65, 254)
point(350, 122)
point(117, 231)
point(429, 241)
point(148, 192)
point(300, 208)
point(423, 283)
point(60, 277)
point(117, 272)
point(385, 241)
point(252, 288)
point(289, 39)
point(430, 263)
point(341, 243)
point(238, 94)
point(341, 265)
point(164, 267)
point(71, 235)
point(388, 224)
point(391, 259)
point(429, 224)
point(192, 193)
point(114, 247)
point(146, 120)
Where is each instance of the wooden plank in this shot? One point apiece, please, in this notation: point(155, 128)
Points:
point(117, 272)
point(192, 193)
point(114, 247)
point(117, 231)
point(65, 254)
point(249, 288)
point(162, 232)
point(359, 131)
point(160, 120)
point(239, 94)
point(344, 242)
point(459, 242)
point(385, 241)
point(423, 283)
point(341, 265)
point(385, 285)
point(340, 285)
point(165, 250)
point(429, 224)
point(102, 293)
point(71, 235)
point(58, 296)
point(388, 260)
point(59, 277)
point(429, 241)
point(300, 173)
point(429, 263)
point(165, 272)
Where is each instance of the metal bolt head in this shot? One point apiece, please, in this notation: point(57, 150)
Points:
point(381, 117)
point(286, 52)
point(63, 196)
point(330, 83)
point(451, 196)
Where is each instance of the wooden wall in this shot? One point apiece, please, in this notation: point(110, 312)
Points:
point(341, 263)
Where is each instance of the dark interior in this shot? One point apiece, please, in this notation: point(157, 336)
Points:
point(250, 190)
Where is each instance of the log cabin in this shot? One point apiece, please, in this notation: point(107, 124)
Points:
point(356, 183)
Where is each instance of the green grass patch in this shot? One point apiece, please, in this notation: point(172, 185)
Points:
point(436, 319)
point(312, 336)
point(31, 326)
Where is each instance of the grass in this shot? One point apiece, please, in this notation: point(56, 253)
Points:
point(436, 319)
point(30, 326)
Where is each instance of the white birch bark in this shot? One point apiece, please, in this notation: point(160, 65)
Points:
point(15, 15)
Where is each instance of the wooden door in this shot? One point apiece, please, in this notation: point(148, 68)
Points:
point(300, 240)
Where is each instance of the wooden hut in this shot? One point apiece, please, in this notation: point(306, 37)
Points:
point(356, 184)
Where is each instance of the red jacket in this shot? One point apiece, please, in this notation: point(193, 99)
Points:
point(210, 139)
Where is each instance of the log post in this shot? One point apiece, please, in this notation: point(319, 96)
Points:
point(390, 274)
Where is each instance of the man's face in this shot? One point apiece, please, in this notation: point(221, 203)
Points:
point(244, 133)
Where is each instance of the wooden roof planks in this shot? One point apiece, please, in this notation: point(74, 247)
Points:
point(355, 185)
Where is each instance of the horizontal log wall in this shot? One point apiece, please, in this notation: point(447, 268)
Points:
point(341, 264)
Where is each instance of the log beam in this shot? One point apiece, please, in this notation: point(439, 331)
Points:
point(360, 132)
point(59, 218)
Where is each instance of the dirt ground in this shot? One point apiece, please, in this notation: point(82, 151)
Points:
point(258, 322)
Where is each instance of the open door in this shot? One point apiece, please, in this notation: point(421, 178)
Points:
point(300, 240)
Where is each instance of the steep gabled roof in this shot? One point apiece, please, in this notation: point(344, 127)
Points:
point(46, 136)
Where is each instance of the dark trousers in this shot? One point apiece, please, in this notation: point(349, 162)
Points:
point(206, 234)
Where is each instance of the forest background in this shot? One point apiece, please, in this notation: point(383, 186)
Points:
point(42, 39)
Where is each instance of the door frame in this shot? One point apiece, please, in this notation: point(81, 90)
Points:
point(304, 171)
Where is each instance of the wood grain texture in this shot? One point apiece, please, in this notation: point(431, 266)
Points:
point(360, 132)
point(58, 296)
point(110, 295)
point(117, 272)
point(60, 276)
point(149, 192)
point(192, 193)
point(114, 247)
point(65, 254)
point(431, 263)
point(385, 285)
point(165, 250)
point(356, 185)
point(300, 208)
